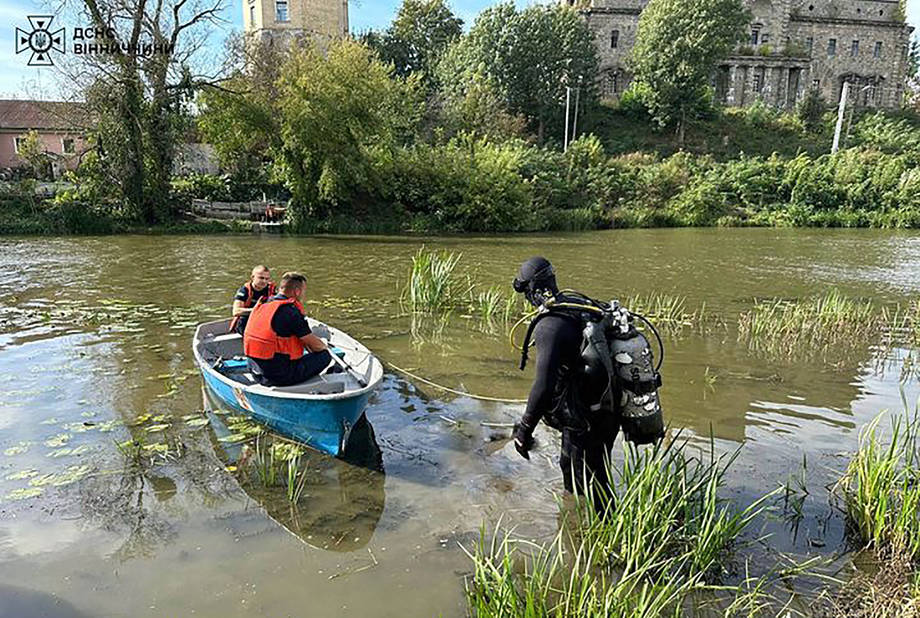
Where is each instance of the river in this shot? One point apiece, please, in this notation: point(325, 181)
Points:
point(95, 338)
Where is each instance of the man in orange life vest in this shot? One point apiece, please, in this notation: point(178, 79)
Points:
point(258, 287)
point(277, 334)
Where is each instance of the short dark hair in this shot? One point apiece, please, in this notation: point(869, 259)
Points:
point(292, 279)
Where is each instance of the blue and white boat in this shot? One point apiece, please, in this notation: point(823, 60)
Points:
point(320, 412)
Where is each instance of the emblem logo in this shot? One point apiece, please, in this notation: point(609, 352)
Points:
point(41, 41)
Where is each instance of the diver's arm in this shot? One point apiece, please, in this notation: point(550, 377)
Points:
point(549, 356)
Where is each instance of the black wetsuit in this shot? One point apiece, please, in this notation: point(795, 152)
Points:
point(561, 396)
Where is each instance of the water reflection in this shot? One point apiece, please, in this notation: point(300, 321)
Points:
point(341, 501)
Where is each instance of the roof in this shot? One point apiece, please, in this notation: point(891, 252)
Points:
point(30, 114)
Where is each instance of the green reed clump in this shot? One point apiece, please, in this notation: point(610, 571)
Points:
point(785, 325)
point(664, 309)
point(433, 283)
point(881, 488)
point(660, 539)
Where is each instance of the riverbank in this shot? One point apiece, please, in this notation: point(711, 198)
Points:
point(743, 168)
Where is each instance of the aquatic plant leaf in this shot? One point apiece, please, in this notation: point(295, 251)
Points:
point(41, 481)
point(61, 452)
point(157, 447)
point(233, 438)
point(57, 441)
point(197, 422)
point(108, 426)
point(22, 475)
point(157, 428)
point(24, 493)
point(19, 449)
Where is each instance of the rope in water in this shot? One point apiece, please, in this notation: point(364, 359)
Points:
point(451, 390)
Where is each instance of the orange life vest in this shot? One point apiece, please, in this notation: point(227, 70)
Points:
point(261, 341)
point(251, 293)
point(249, 302)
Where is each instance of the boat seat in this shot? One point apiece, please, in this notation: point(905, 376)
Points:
point(321, 385)
point(223, 346)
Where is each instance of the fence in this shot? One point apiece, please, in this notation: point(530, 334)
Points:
point(250, 211)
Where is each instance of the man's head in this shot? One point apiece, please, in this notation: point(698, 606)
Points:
point(292, 284)
point(536, 280)
point(260, 277)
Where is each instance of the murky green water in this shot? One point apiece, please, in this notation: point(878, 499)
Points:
point(95, 335)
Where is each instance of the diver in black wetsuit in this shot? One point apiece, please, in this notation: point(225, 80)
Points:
point(561, 388)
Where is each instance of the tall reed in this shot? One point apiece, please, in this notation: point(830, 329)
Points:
point(881, 488)
point(433, 284)
point(660, 539)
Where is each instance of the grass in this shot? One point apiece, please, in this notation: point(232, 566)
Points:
point(881, 496)
point(433, 284)
point(662, 541)
point(881, 489)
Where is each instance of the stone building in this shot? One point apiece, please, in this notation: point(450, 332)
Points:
point(794, 45)
point(273, 20)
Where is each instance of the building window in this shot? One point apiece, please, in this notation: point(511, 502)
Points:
point(755, 36)
point(758, 82)
point(252, 14)
point(816, 84)
point(68, 146)
point(613, 84)
point(614, 39)
point(281, 10)
point(810, 44)
point(878, 49)
point(854, 49)
point(832, 47)
point(765, 39)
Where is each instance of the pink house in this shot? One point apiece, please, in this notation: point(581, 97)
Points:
point(59, 126)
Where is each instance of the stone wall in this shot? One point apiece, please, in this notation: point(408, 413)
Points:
point(788, 51)
point(323, 20)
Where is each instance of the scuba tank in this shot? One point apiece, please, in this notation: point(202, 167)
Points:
point(616, 352)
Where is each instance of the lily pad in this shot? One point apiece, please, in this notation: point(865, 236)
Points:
point(233, 438)
point(157, 428)
point(197, 422)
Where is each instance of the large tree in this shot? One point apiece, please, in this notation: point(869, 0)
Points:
point(678, 47)
point(418, 36)
point(321, 121)
point(136, 74)
point(527, 57)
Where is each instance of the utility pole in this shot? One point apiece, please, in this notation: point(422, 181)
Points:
point(575, 119)
point(840, 114)
point(568, 103)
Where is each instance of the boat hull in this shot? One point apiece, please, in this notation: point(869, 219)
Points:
point(320, 424)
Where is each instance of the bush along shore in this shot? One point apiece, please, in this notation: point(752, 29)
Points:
point(667, 544)
point(479, 184)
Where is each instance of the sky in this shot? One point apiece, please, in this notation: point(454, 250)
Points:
point(17, 80)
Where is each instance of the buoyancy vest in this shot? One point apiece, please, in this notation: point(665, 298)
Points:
point(260, 340)
point(249, 302)
point(251, 294)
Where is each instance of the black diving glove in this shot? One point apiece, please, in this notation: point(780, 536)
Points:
point(523, 439)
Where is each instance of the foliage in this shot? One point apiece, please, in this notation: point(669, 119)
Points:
point(647, 551)
point(417, 38)
point(810, 110)
point(529, 57)
point(880, 489)
point(479, 110)
point(337, 112)
point(674, 58)
point(137, 99)
point(32, 151)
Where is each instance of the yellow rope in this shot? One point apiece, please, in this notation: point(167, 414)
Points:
point(453, 391)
